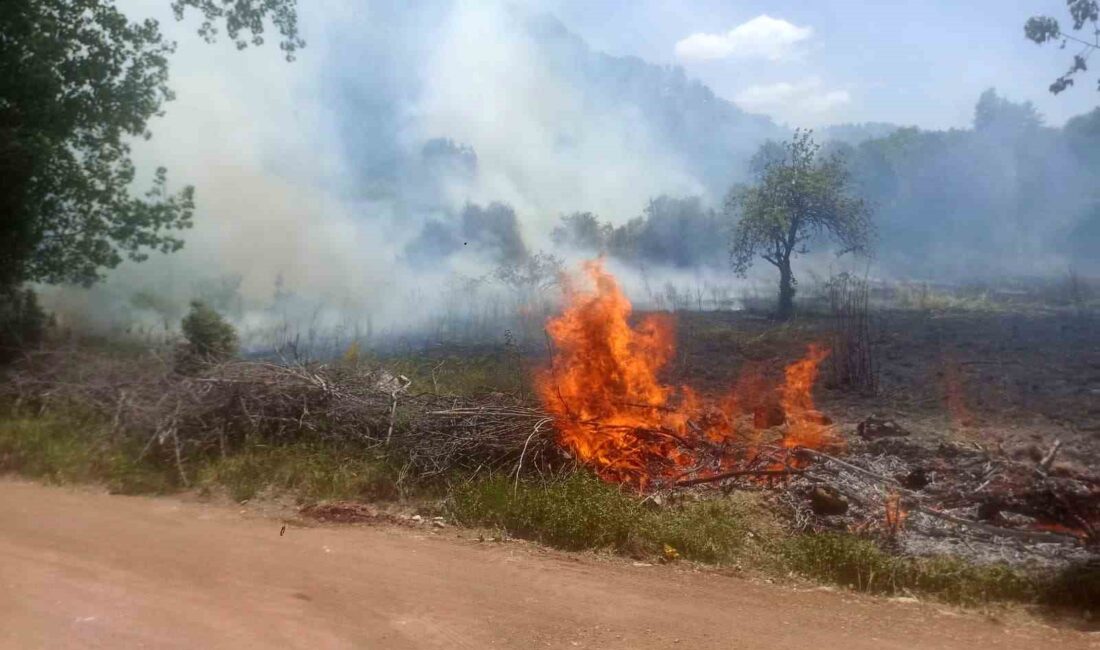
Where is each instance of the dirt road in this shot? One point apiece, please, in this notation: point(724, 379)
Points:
point(85, 570)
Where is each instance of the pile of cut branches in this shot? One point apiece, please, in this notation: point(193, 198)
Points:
point(230, 405)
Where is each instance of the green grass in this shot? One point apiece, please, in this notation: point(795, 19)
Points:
point(578, 511)
point(66, 449)
point(463, 372)
point(60, 449)
point(309, 471)
point(861, 565)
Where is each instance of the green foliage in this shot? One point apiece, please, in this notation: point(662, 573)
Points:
point(799, 195)
point(310, 471)
point(531, 275)
point(78, 80)
point(670, 231)
point(1044, 29)
point(22, 321)
point(209, 337)
point(70, 449)
point(578, 511)
point(582, 230)
point(995, 112)
point(247, 16)
point(862, 565)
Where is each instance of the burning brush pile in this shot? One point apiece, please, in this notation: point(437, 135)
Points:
point(612, 413)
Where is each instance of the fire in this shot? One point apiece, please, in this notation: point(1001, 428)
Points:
point(804, 421)
point(611, 410)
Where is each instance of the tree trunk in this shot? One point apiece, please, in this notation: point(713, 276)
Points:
point(786, 291)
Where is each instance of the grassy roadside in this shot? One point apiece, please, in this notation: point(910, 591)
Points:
point(574, 511)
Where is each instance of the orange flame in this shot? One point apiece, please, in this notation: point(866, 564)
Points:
point(610, 408)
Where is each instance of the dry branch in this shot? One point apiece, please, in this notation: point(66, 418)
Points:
point(236, 403)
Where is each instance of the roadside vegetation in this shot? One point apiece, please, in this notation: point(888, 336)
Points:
point(571, 510)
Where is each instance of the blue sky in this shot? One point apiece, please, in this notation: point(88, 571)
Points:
point(917, 62)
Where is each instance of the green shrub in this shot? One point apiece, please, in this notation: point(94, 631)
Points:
point(210, 338)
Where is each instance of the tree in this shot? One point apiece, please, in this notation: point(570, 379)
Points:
point(1044, 29)
point(78, 82)
point(798, 197)
point(997, 114)
point(581, 230)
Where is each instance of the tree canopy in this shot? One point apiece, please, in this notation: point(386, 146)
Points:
point(799, 195)
point(247, 16)
point(1085, 15)
point(79, 82)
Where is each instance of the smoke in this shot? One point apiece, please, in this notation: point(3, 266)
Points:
point(415, 145)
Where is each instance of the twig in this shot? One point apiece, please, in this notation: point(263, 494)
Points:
point(1048, 459)
point(519, 463)
point(179, 458)
point(1029, 535)
point(740, 472)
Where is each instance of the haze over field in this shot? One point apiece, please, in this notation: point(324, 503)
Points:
point(365, 174)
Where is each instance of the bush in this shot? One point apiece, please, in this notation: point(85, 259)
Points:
point(22, 321)
point(210, 338)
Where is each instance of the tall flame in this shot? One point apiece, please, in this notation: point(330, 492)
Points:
point(610, 408)
point(803, 421)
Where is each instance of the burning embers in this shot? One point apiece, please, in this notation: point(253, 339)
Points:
point(612, 411)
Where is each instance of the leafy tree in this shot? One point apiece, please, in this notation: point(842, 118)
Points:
point(1085, 15)
point(78, 82)
point(582, 230)
point(532, 275)
point(671, 231)
point(77, 79)
point(798, 197)
point(1005, 118)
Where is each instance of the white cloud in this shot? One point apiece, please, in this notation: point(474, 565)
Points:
point(762, 37)
point(804, 103)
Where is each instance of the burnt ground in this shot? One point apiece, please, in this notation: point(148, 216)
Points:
point(1007, 381)
point(980, 399)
